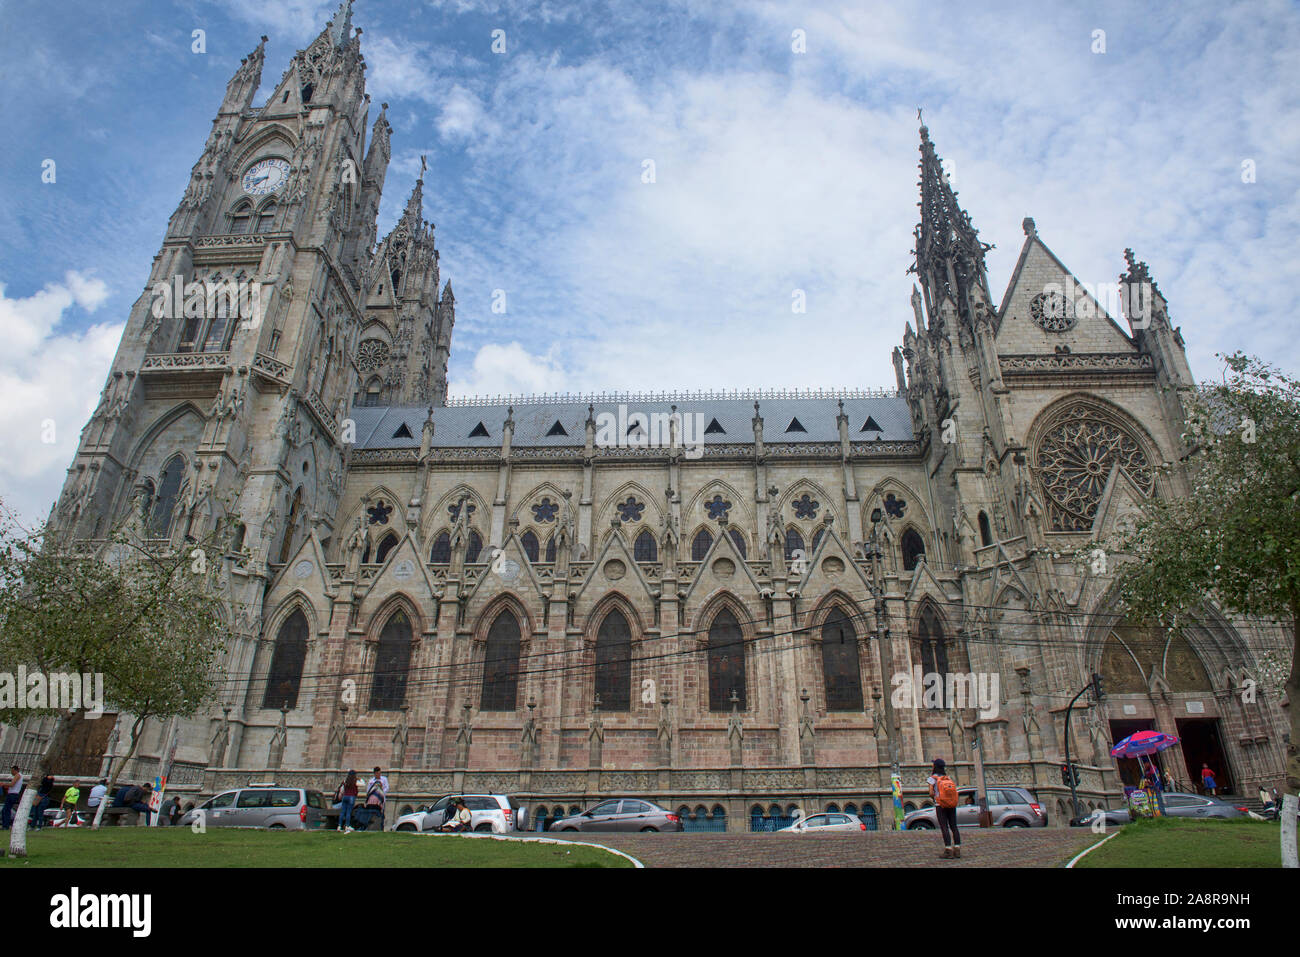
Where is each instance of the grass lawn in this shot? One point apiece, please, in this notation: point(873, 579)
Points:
point(236, 847)
point(1174, 842)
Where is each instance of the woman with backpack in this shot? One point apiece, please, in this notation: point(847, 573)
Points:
point(943, 790)
point(347, 797)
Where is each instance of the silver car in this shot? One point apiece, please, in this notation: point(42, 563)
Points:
point(621, 814)
point(294, 809)
point(1178, 804)
point(829, 823)
point(1009, 806)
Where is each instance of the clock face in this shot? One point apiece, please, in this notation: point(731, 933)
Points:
point(265, 176)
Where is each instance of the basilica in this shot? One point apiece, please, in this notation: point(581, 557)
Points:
point(701, 599)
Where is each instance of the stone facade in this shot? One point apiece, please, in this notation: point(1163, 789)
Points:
point(442, 587)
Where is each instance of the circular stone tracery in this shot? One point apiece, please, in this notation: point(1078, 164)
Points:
point(372, 354)
point(1050, 311)
point(1075, 458)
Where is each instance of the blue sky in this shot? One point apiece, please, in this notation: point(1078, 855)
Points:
point(775, 171)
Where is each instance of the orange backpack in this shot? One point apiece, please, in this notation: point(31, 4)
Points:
point(945, 790)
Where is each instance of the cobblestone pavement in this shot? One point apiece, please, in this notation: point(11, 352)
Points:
point(1000, 847)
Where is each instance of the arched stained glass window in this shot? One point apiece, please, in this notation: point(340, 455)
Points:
point(392, 664)
point(986, 533)
point(285, 675)
point(169, 486)
point(739, 540)
point(240, 218)
point(291, 526)
point(726, 662)
point(817, 536)
point(441, 551)
point(840, 669)
point(700, 545)
point(614, 663)
point(265, 216)
point(793, 543)
point(932, 647)
point(913, 549)
point(645, 548)
point(501, 665)
point(473, 546)
point(386, 546)
point(532, 548)
point(550, 549)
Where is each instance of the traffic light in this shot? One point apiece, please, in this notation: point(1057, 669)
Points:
point(1097, 692)
point(1070, 774)
point(1065, 774)
point(1074, 774)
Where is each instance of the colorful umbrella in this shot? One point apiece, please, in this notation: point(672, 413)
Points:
point(1143, 742)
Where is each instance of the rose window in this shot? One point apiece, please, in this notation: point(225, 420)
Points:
point(372, 354)
point(1075, 460)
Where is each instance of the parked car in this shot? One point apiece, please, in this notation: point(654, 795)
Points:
point(1010, 807)
point(1178, 804)
point(1113, 817)
point(621, 814)
point(830, 823)
point(295, 809)
point(498, 813)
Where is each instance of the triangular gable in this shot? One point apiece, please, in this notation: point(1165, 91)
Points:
point(598, 580)
point(403, 571)
point(924, 583)
point(1120, 500)
point(816, 580)
point(277, 105)
point(316, 581)
point(1017, 332)
point(494, 582)
point(722, 546)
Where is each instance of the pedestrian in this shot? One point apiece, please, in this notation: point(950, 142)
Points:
point(69, 804)
point(1169, 782)
point(347, 797)
point(376, 794)
point(1155, 787)
point(1207, 780)
point(136, 799)
point(97, 794)
point(174, 815)
point(11, 797)
point(944, 792)
point(43, 798)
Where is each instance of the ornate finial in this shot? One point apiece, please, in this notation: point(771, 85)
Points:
point(1029, 227)
point(424, 165)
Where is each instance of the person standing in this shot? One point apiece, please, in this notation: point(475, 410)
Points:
point(1207, 780)
point(11, 797)
point(69, 804)
point(43, 799)
point(376, 795)
point(943, 790)
point(1155, 787)
point(347, 795)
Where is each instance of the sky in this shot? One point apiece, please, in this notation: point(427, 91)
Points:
point(783, 138)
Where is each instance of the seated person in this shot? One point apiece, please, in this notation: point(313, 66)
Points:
point(460, 821)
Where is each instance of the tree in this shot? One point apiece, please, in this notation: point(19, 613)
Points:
point(1236, 538)
point(148, 618)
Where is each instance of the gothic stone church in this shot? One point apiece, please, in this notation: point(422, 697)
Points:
point(483, 595)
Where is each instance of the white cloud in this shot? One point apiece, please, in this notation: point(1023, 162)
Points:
point(509, 369)
point(48, 375)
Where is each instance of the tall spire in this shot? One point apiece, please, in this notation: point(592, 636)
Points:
point(340, 25)
point(949, 253)
point(414, 214)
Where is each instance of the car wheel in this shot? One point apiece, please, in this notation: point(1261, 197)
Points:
point(571, 830)
point(406, 827)
point(276, 827)
point(920, 826)
point(651, 830)
point(483, 828)
point(1015, 823)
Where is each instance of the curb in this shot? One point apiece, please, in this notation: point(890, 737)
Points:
point(541, 840)
point(1088, 850)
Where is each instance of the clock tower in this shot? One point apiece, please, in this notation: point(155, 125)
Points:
point(227, 400)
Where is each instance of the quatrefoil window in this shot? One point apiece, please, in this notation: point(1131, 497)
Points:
point(544, 511)
point(379, 513)
point(806, 506)
point(630, 511)
point(895, 506)
point(718, 508)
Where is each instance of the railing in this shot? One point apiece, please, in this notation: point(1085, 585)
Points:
point(673, 396)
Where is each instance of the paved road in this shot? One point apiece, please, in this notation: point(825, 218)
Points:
point(1001, 847)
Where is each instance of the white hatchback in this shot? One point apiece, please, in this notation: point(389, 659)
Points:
point(498, 813)
point(830, 823)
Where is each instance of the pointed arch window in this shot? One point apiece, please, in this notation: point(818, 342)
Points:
point(241, 217)
point(986, 533)
point(501, 665)
point(840, 669)
point(817, 536)
point(532, 547)
point(793, 543)
point(441, 551)
point(285, 676)
point(372, 392)
point(392, 664)
point(739, 541)
point(291, 526)
point(473, 546)
point(387, 545)
point(614, 663)
point(913, 549)
point(550, 549)
point(169, 486)
point(645, 548)
point(932, 647)
point(726, 662)
point(265, 216)
point(701, 544)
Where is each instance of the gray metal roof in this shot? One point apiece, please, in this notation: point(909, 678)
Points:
point(377, 426)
